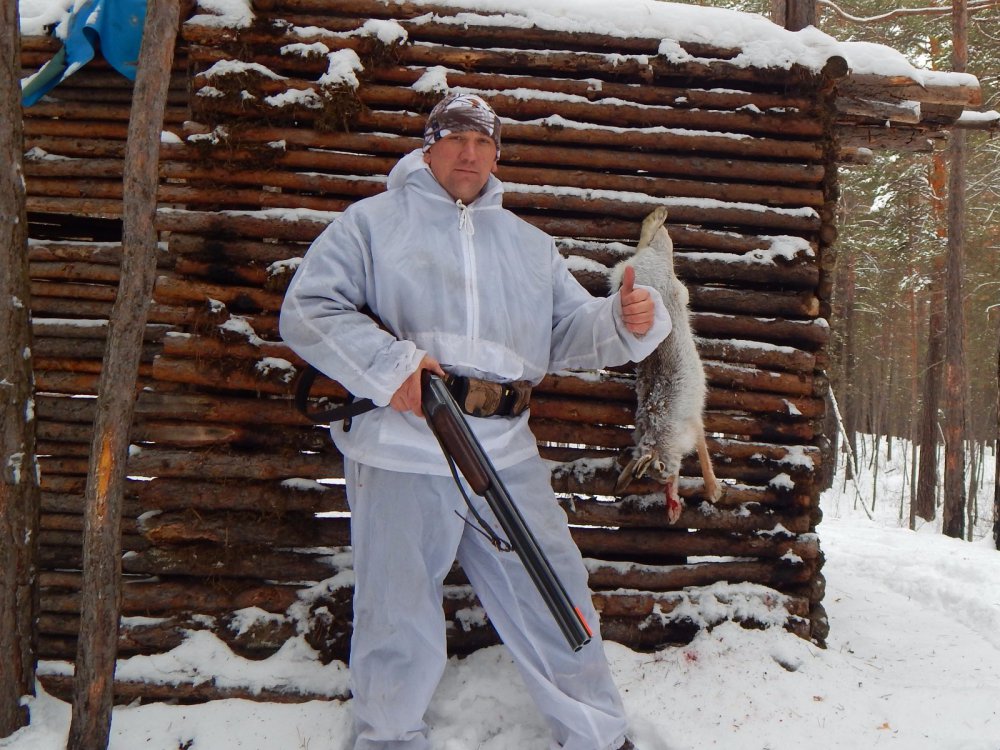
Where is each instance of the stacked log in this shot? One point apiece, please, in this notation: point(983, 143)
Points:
point(236, 502)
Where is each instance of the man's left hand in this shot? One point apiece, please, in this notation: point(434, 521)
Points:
point(637, 305)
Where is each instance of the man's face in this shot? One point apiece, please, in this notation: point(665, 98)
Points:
point(462, 163)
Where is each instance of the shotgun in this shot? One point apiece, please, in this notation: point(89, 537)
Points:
point(461, 448)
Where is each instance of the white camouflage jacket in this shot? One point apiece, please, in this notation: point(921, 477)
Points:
point(480, 290)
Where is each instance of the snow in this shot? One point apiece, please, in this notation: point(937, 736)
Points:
point(912, 662)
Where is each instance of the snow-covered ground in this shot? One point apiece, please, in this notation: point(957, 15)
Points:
point(913, 662)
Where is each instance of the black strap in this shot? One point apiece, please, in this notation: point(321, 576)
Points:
point(304, 384)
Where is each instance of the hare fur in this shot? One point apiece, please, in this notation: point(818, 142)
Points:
point(670, 382)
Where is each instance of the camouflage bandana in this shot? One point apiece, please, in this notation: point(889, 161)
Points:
point(461, 112)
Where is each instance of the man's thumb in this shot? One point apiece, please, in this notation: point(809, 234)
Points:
point(628, 280)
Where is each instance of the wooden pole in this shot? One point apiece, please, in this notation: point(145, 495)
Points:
point(19, 490)
point(98, 642)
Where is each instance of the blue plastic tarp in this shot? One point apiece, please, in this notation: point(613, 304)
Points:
point(112, 28)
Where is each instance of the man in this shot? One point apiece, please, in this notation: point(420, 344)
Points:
point(459, 284)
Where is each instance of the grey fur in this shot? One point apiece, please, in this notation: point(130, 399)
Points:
point(670, 383)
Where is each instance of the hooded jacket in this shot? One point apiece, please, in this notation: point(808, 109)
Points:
point(477, 288)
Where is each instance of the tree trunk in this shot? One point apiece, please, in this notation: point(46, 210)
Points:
point(851, 398)
point(927, 475)
point(996, 466)
point(953, 511)
point(19, 491)
point(98, 642)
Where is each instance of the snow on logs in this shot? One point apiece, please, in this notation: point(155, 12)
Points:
point(235, 502)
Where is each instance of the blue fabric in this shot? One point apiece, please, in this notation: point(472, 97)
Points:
point(111, 27)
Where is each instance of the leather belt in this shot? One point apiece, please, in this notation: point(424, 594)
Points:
point(485, 398)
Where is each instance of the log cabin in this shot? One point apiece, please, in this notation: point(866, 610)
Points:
point(279, 118)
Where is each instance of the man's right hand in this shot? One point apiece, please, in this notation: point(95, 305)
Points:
point(407, 397)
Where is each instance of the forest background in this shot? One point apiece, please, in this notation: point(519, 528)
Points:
point(892, 248)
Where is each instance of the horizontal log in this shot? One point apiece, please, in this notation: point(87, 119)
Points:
point(236, 530)
point(50, 107)
point(754, 353)
point(74, 522)
point(776, 574)
point(54, 381)
point(46, 127)
point(74, 540)
point(170, 290)
point(809, 334)
point(151, 462)
point(270, 498)
point(71, 500)
point(638, 544)
point(248, 275)
point(168, 597)
point(903, 88)
point(127, 692)
point(189, 407)
point(762, 302)
point(799, 272)
point(664, 604)
point(252, 224)
point(591, 477)
point(750, 378)
point(900, 138)
point(741, 520)
point(48, 348)
point(243, 251)
point(72, 294)
point(857, 106)
point(186, 435)
point(90, 329)
point(758, 428)
point(210, 561)
point(107, 253)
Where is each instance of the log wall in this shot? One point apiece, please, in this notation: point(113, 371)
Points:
point(235, 502)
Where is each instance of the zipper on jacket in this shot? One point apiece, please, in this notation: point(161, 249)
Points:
point(466, 232)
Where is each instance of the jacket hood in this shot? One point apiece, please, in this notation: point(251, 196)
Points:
point(405, 167)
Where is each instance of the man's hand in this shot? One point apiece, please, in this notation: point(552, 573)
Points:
point(407, 397)
point(637, 305)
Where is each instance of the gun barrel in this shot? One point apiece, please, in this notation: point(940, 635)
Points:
point(460, 444)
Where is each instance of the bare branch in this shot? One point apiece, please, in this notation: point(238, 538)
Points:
point(934, 10)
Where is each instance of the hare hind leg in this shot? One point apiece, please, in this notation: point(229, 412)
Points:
point(713, 489)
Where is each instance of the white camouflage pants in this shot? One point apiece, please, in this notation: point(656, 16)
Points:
point(406, 535)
